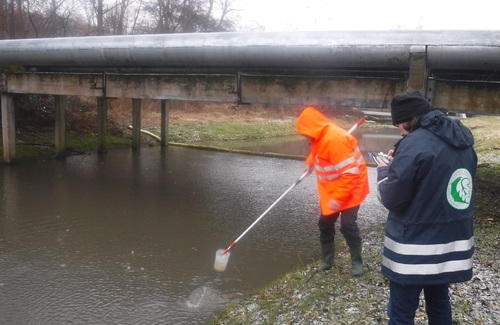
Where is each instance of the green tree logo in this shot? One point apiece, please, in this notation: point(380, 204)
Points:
point(459, 190)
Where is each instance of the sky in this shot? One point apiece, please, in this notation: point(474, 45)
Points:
point(320, 15)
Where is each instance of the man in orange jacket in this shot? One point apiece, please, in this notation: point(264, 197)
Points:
point(342, 181)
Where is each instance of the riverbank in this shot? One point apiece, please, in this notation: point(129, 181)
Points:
point(335, 297)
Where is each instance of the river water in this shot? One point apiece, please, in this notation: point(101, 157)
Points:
point(130, 237)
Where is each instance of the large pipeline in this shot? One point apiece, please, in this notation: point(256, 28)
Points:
point(458, 50)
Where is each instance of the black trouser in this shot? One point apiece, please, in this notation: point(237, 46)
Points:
point(348, 227)
point(404, 300)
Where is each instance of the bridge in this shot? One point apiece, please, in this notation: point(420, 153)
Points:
point(456, 70)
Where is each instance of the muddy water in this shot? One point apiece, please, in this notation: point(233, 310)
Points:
point(130, 237)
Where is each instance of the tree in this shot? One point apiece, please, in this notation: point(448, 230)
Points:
point(118, 17)
point(50, 18)
point(12, 19)
point(59, 18)
point(39, 18)
point(185, 16)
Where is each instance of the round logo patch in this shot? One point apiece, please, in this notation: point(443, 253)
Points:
point(459, 191)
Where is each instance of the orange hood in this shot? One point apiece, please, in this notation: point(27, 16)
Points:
point(312, 123)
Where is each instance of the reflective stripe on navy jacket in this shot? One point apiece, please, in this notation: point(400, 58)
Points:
point(428, 191)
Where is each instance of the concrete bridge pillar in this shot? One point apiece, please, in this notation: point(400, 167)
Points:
point(417, 77)
point(60, 126)
point(165, 105)
point(8, 128)
point(136, 123)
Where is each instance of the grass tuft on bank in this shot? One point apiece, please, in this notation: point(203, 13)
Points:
point(42, 146)
point(214, 131)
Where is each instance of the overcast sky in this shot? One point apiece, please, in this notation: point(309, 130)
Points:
point(316, 15)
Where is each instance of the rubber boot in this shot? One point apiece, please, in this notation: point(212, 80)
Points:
point(328, 252)
point(356, 261)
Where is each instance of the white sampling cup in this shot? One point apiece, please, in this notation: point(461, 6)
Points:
point(221, 260)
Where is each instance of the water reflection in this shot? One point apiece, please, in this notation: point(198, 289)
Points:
point(369, 139)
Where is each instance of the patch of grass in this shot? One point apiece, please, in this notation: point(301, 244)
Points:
point(486, 132)
point(42, 147)
point(486, 193)
point(89, 142)
point(30, 150)
point(462, 307)
point(213, 131)
point(487, 213)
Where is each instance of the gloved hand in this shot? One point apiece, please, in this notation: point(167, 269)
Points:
point(308, 169)
point(334, 205)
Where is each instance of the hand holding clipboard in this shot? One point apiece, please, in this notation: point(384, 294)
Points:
point(381, 159)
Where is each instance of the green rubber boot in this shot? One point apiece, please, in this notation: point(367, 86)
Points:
point(356, 261)
point(328, 253)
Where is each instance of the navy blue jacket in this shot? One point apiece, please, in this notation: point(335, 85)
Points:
point(428, 191)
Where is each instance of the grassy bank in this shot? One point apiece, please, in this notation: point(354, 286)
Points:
point(214, 131)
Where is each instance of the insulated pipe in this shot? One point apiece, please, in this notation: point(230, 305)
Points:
point(464, 50)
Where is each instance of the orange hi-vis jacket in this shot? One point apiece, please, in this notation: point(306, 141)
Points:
point(339, 165)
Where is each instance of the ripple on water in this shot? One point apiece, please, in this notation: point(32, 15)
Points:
point(205, 297)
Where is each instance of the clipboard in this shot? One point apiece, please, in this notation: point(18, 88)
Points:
point(381, 156)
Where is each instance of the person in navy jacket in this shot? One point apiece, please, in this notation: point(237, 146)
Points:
point(427, 188)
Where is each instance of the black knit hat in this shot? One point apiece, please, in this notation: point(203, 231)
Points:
point(406, 106)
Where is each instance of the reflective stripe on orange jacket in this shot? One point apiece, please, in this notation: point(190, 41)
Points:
point(339, 165)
